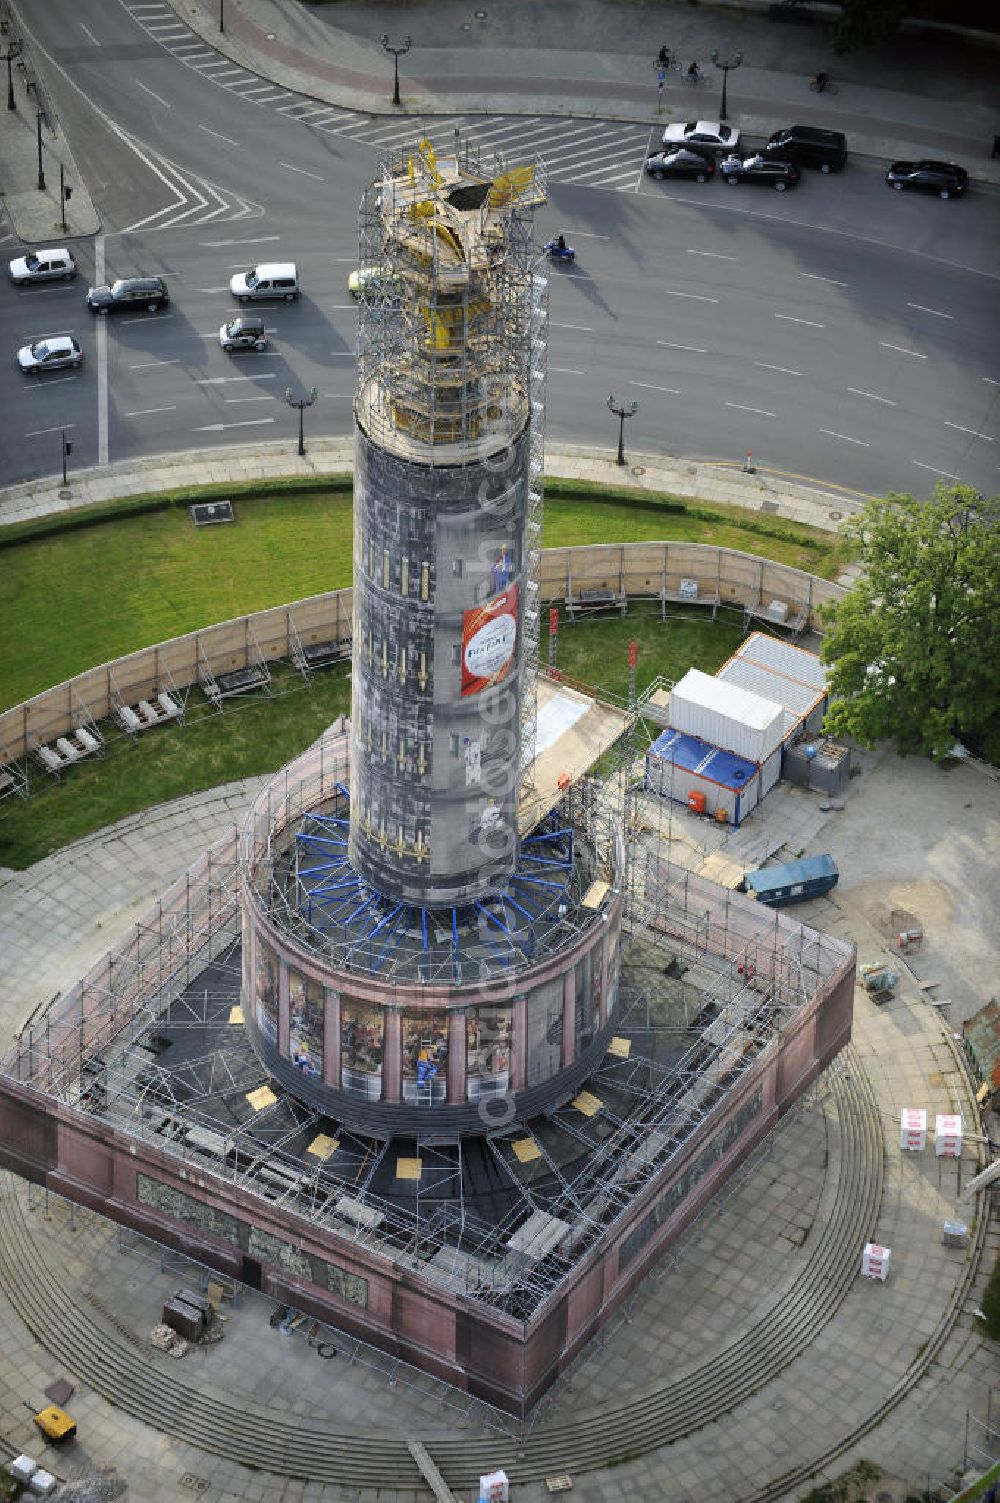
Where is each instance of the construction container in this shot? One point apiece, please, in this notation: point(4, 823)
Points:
point(792, 881)
point(875, 1262)
point(913, 1129)
point(184, 1319)
point(788, 676)
point(679, 766)
point(948, 1137)
point(813, 762)
point(724, 715)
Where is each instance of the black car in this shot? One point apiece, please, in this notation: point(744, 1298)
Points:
point(133, 293)
point(943, 178)
point(808, 146)
point(680, 162)
point(763, 171)
point(244, 333)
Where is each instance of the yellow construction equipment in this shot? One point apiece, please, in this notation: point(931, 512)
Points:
point(55, 1424)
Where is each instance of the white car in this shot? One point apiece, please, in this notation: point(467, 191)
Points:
point(42, 266)
point(49, 354)
point(702, 135)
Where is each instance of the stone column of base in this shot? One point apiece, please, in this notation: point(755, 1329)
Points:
point(284, 1021)
point(457, 1049)
point(519, 1045)
point(568, 1046)
point(331, 1040)
point(392, 1055)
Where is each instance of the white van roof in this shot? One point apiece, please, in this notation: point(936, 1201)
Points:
point(276, 269)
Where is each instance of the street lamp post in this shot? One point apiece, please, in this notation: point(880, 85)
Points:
point(14, 50)
point(301, 403)
point(222, 17)
point(67, 449)
point(621, 412)
point(31, 85)
point(725, 65)
point(397, 53)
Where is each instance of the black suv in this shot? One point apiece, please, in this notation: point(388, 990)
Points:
point(943, 178)
point(808, 146)
point(134, 293)
point(760, 171)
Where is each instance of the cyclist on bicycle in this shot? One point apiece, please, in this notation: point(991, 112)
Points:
point(663, 56)
point(693, 73)
point(820, 82)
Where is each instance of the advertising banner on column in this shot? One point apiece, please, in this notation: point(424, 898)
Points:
point(489, 635)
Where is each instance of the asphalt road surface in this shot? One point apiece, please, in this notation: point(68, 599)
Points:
point(839, 330)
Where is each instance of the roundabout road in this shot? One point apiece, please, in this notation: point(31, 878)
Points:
point(840, 331)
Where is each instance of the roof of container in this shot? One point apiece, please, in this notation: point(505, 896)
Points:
point(796, 696)
point(766, 878)
point(694, 755)
point(727, 699)
point(784, 657)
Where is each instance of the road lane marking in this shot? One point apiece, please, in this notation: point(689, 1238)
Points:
point(148, 364)
point(565, 370)
point(936, 311)
point(102, 359)
point(901, 351)
point(146, 411)
point(946, 473)
point(670, 390)
point(218, 135)
point(696, 297)
point(583, 328)
point(59, 427)
point(782, 369)
point(692, 349)
point(715, 255)
point(974, 431)
point(788, 319)
point(153, 95)
point(232, 401)
point(758, 410)
point(302, 171)
point(813, 277)
point(855, 392)
point(244, 423)
point(41, 385)
point(221, 380)
point(588, 234)
point(254, 240)
point(859, 441)
point(90, 34)
point(160, 318)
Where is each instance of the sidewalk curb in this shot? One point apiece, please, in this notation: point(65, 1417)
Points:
point(723, 482)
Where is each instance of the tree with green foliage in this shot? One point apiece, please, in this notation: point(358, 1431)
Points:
point(863, 23)
point(914, 646)
point(991, 1302)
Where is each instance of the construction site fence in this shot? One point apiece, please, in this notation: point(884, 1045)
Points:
point(629, 571)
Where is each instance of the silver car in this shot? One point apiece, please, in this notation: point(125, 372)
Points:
point(49, 354)
point(42, 266)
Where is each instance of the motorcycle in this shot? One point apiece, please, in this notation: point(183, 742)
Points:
point(557, 252)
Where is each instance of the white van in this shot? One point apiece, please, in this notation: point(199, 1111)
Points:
point(274, 279)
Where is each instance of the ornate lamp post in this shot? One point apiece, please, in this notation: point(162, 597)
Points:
point(725, 65)
point(621, 412)
point(301, 403)
point(397, 53)
point(14, 50)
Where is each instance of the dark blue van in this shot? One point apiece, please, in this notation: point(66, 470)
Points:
point(793, 881)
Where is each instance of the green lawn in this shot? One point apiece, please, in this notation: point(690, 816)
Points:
point(86, 592)
point(79, 596)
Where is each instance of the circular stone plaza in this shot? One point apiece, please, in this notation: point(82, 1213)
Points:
point(447, 1065)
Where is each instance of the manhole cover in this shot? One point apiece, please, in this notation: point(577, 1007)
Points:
point(272, 36)
point(835, 516)
point(480, 15)
point(638, 469)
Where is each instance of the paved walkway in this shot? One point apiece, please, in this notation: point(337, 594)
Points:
point(911, 1343)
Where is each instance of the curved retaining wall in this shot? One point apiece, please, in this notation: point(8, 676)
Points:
point(633, 571)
